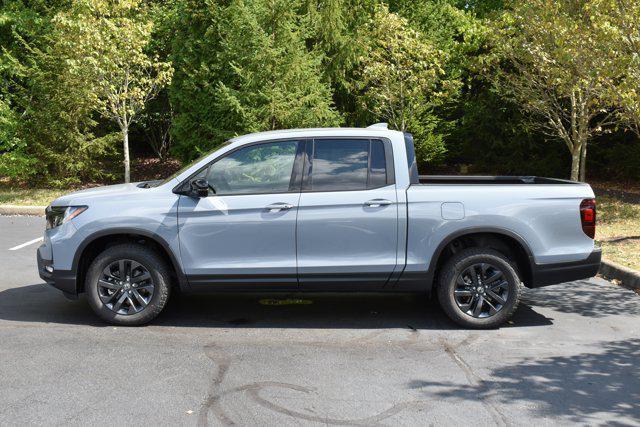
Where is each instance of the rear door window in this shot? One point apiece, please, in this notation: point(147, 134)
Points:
point(345, 165)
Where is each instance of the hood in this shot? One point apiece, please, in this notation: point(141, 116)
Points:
point(85, 196)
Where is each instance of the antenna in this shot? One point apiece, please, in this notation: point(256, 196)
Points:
point(378, 126)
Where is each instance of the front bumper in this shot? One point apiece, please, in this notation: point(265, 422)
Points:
point(551, 274)
point(63, 280)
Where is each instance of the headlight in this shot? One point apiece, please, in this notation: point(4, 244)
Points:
point(58, 215)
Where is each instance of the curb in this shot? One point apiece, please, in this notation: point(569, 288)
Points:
point(611, 270)
point(22, 210)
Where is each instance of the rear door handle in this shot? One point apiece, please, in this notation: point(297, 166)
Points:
point(279, 207)
point(376, 203)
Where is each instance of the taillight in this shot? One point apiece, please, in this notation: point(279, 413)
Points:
point(588, 217)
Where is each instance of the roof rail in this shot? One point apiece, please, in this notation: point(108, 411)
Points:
point(378, 126)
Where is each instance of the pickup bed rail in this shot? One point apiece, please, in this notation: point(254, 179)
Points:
point(457, 179)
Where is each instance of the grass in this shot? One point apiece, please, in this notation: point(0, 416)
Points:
point(618, 231)
point(29, 196)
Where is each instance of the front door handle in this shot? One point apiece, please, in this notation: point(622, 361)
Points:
point(376, 203)
point(279, 207)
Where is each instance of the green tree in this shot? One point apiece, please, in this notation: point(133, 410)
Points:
point(402, 79)
point(23, 28)
point(48, 122)
point(14, 161)
point(335, 28)
point(618, 24)
point(546, 57)
point(453, 28)
point(104, 45)
point(243, 68)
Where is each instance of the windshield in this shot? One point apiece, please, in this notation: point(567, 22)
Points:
point(188, 165)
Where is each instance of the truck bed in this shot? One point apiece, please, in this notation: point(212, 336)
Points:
point(545, 214)
point(483, 180)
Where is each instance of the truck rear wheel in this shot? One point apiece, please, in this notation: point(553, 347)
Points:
point(479, 288)
point(128, 284)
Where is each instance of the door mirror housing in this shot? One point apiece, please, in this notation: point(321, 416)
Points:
point(200, 187)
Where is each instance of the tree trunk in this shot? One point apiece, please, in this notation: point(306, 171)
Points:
point(583, 162)
point(127, 164)
point(575, 164)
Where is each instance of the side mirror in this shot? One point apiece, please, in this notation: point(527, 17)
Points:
point(200, 187)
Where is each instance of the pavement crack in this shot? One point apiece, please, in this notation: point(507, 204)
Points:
point(475, 380)
point(214, 394)
point(374, 420)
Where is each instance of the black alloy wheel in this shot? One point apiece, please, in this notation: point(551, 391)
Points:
point(125, 287)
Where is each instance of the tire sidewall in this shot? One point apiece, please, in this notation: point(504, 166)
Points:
point(154, 266)
point(456, 266)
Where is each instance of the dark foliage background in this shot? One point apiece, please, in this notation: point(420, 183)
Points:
point(250, 65)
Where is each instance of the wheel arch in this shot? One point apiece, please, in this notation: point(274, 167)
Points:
point(96, 242)
point(507, 242)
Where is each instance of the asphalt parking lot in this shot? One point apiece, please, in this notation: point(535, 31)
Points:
point(570, 356)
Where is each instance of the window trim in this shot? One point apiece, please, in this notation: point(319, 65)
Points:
point(295, 180)
point(308, 154)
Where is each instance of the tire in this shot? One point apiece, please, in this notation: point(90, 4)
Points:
point(153, 287)
point(459, 288)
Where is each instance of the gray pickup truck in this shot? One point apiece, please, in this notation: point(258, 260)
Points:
point(317, 210)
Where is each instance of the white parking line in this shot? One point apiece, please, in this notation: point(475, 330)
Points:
point(30, 242)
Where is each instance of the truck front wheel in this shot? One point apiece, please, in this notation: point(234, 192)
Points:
point(128, 284)
point(479, 288)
